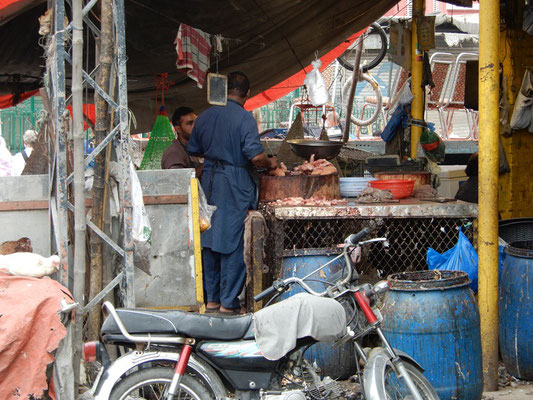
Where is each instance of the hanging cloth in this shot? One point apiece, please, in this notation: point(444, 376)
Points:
point(194, 48)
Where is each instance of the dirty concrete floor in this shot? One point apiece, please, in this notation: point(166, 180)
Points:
point(521, 392)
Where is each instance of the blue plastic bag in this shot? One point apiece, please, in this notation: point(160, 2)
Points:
point(461, 257)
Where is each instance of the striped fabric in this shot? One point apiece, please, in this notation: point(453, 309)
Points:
point(194, 48)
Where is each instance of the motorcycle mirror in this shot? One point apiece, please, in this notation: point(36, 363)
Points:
point(381, 287)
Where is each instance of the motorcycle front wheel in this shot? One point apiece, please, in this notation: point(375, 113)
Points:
point(396, 389)
point(153, 383)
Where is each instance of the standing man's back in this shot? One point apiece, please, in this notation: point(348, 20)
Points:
point(228, 139)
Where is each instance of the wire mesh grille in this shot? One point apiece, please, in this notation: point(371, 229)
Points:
point(408, 240)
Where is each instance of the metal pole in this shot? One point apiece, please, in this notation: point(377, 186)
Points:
point(489, 23)
point(79, 179)
point(417, 58)
point(355, 78)
point(124, 155)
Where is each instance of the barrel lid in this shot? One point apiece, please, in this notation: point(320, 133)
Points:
point(428, 280)
point(331, 251)
point(520, 249)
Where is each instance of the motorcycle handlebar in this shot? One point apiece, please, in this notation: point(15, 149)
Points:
point(356, 238)
point(265, 293)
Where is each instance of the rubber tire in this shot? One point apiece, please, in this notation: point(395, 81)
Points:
point(428, 391)
point(381, 55)
point(163, 374)
point(379, 99)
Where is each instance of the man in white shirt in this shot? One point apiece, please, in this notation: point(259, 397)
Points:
point(19, 159)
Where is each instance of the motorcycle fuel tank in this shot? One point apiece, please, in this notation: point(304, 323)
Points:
point(242, 362)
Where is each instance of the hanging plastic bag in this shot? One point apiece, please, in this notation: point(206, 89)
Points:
point(399, 118)
point(141, 230)
point(521, 118)
point(434, 148)
point(206, 210)
point(406, 96)
point(461, 257)
point(318, 92)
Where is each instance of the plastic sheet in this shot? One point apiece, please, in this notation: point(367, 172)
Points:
point(461, 257)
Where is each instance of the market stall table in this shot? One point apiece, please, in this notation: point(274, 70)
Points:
point(411, 226)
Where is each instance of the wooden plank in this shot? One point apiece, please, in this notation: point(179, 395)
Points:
point(166, 199)
point(257, 260)
point(25, 205)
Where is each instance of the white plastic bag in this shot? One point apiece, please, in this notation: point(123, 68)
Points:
point(206, 210)
point(141, 230)
point(523, 106)
point(406, 96)
point(318, 92)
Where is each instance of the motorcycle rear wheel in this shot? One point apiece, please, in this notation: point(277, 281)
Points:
point(396, 389)
point(152, 383)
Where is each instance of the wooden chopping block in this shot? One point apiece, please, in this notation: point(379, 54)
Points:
point(306, 186)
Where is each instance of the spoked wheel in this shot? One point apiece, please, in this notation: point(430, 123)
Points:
point(153, 383)
point(374, 49)
point(396, 388)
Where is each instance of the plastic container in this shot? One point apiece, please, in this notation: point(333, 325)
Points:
point(399, 188)
point(336, 363)
point(420, 177)
point(433, 317)
point(516, 229)
point(451, 177)
point(516, 310)
point(352, 187)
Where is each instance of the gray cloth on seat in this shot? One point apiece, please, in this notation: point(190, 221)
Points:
point(277, 327)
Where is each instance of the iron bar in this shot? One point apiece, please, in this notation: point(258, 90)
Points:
point(98, 298)
point(103, 144)
point(87, 78)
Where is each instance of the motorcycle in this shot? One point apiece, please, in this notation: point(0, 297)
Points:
point(182, 355)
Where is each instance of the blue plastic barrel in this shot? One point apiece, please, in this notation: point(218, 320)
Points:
point(516, 310)
point(336, 363)
point(433, 317)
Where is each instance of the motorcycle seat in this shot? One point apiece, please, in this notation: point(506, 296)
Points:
point(176, 323)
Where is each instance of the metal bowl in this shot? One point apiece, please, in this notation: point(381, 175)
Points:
point(320, 148)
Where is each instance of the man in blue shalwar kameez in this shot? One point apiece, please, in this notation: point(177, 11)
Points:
point(227, 137)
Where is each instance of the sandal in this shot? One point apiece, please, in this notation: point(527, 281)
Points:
point(212, 310)
point(234, 311)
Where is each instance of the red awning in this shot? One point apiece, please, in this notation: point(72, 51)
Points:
point(295, 81)
point(6, 101)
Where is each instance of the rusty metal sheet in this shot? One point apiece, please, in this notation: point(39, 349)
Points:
point(408, 208)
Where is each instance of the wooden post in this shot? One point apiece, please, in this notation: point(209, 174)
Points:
point(355, 78)
point(100, 130)
point(80, 227)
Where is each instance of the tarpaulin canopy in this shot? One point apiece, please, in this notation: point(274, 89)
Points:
point(269, 40)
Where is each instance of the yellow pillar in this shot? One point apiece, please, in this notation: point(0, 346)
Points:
point(195, 207)
point(417, 58)
point(489, 23)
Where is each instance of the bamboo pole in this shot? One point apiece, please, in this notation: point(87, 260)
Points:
point(489, 23)
point(80, 227)
point(417, 58)
point(355, 79)
point(100, 130)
